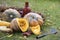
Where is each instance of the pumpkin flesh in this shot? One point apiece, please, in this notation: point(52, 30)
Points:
point(35, 29)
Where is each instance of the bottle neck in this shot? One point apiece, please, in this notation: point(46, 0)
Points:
point(26, 4)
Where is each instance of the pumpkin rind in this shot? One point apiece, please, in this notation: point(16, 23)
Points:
point(14, 25)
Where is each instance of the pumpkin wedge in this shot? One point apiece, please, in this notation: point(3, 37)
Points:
point(4, 23)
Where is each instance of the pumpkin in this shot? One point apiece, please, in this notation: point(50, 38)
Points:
point(35, 27)
point(10, 14)
point(19, 24)
point(35, 16)
point(4, 23)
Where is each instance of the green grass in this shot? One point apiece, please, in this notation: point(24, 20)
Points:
point(51, 10)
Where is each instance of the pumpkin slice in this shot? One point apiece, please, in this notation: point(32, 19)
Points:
point(35, 29)
point(23, 24)
point(4, 23)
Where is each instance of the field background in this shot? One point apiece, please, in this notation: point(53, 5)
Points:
point(51, 11)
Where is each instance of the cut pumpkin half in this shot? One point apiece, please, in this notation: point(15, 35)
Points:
point(23, 24)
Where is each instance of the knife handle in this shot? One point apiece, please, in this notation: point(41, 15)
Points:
point(40, 36)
